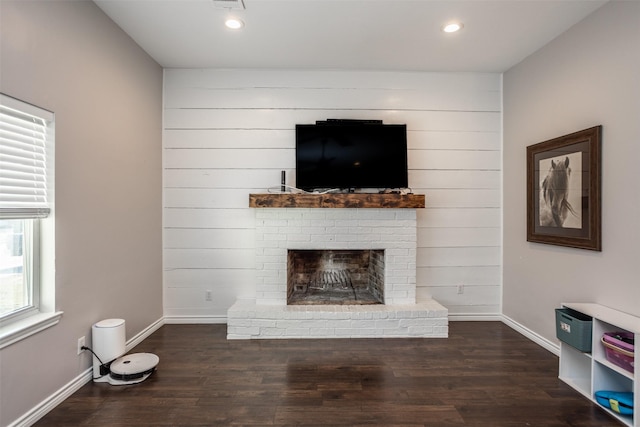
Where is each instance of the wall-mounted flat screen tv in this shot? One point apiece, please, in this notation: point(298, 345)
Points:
point(351, 154)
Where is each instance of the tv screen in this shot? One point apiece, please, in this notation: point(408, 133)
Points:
point(350, 155)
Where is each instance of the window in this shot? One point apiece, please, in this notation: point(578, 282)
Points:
point(19, 289)
point(26, 220)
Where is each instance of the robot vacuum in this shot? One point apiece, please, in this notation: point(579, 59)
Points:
point(132, 368)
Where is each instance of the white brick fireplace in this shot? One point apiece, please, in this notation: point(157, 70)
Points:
point(281, 229)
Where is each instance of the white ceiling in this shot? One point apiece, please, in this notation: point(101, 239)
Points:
point(346, 34)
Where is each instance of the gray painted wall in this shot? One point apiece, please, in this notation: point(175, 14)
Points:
point(588, 76)
point(70, 58)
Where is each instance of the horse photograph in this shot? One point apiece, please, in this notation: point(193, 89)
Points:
point(561, 191)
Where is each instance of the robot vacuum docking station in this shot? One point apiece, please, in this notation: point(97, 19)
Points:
point(109, 362)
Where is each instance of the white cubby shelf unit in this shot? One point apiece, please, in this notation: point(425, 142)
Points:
point(591, 372)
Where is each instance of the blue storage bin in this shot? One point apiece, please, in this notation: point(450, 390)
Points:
point(574, 328)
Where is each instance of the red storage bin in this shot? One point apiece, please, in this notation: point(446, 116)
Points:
point(619, 348)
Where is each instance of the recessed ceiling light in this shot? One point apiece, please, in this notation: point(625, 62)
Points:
point(234, 23)
point(452, 27)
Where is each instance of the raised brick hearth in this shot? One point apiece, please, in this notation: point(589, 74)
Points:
point(391, 230)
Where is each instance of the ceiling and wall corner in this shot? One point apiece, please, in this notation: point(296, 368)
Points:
point(400, 35)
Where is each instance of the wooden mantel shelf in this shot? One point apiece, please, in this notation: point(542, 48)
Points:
point(333, 200)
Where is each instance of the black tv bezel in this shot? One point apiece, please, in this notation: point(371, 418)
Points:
point(399, 179)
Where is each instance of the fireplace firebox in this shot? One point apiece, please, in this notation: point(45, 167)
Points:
point(316, 277)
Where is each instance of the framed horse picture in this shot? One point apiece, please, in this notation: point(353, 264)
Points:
point(563, 190)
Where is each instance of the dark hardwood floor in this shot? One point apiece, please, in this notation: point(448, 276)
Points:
point(484, 374)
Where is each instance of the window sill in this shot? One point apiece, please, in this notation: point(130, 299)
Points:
point(16, 331)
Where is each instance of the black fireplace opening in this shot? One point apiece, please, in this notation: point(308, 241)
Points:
point(344, 276)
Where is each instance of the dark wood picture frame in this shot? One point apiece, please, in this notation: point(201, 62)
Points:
point(563, 190)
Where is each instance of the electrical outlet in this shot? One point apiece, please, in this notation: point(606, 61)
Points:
point(460, 289)
point(207, 296)
point(80, 344)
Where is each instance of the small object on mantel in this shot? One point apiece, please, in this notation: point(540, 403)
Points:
point(341, 200)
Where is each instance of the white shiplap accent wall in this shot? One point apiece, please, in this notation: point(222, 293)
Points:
point(228, 133)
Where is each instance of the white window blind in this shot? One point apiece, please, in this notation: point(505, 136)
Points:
point(24, 132)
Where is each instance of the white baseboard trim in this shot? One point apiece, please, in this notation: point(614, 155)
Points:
point(528, 333)
point(194, 320)
point(533, 336)
point(54, 400)
point(44, 407)
point(142, 335)
point(475, 317)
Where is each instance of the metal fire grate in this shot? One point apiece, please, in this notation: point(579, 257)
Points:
point(331, 280)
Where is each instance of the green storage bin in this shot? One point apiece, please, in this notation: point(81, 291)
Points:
point(574, 328)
